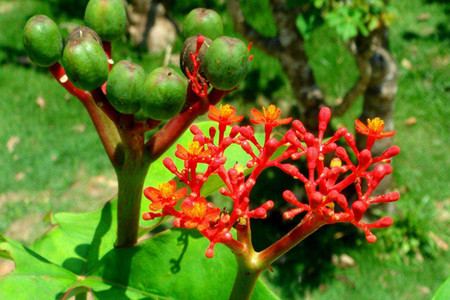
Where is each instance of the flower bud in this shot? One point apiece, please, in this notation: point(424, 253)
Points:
point(164, 94)
point(107, 17)
point(42, 41)
point(226, 63)
point(315, 200)
point(203, 21)
point(358, 209)
point(125, 87)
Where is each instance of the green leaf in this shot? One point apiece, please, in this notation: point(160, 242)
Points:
point(34, 277)
point(443, 292)
point(173, 265)
point(77, 255)
point(78, 241)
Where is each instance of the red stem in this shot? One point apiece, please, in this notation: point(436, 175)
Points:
point(308, 225)
point(102, 102)
point(107, 131)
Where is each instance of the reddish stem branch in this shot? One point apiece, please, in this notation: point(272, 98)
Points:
point(142, 127)
point(103, 103)
point(107, 131)
point(60, 75)
point(307, 226)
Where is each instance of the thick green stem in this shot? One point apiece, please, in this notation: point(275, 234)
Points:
point(131, 175)
point(245, 279)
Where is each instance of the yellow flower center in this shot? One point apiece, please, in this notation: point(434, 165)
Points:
point(194, 148)
point(166, 189)
point(335, 162)
point(376, 125)
point(272, 113)
point(225, 111)
point(197, 210)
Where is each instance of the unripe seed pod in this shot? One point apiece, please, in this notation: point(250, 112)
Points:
point(190, 46)
point(85, 63)
point(226, 63)
point(125, 87)
point(42, 41)
point(141, 116)
point(203, 21)
point(165, 94)
point(83, 32)
point(107, 17)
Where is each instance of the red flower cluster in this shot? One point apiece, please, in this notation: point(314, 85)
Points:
point(323, 184)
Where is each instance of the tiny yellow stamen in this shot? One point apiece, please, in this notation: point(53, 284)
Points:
point(194, 148)
point(198, 210)
point(166, 189)
point(239, 168)
point(376, 125)
point(225, 111)
point(272, 112)
point(335, 162)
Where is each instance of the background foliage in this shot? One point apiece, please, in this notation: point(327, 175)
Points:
point(52, 159)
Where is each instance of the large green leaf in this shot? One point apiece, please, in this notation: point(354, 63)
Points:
point(34, 277)
point(78, 241)
point(173, 265)
point(78, 255)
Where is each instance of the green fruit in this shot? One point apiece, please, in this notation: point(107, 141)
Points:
point(107, 17)
point(203, 21)
point(83, 32)
point(190, 46)
point(141, 116)
point(165, 94)
point(85, 63)
point(42, 40)
point(125, 87)
point(226, 63)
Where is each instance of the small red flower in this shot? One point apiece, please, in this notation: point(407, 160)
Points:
point(165, 195)
point(225, 115)
point(194, 151)
point(199, 213)
point(374, 128)
point(268, 117)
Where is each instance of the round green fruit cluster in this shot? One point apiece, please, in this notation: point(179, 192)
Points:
point(165, 94)
point(84, 60)
point(160, 96)
point(125, 87)
point(42, 41)
point(203, 21)
point(107, 17)
point(224, 61)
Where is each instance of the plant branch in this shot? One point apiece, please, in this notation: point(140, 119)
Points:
point(308, 225)
point(106, 128)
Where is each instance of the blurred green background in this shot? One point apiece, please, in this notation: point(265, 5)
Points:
point(52, 160)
